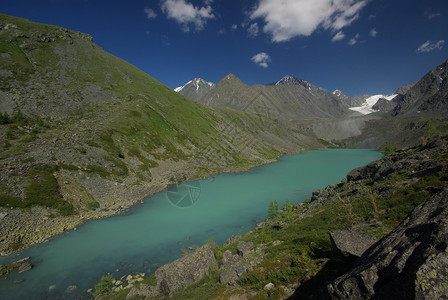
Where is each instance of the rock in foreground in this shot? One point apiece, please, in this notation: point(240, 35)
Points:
point(410, 263)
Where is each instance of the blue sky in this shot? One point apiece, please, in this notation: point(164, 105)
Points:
point(358, 46)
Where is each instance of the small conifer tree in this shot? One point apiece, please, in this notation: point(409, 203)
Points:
point(273, 211)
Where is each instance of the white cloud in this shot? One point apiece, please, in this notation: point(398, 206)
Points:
point(429, 46)
point(338, 36)
point(222, 31)
point(430, 15)
point(253, 30)
point(150, 14)
point(373, 32)
point(262, 59)
point(287, 19)
point(186, 14)
point(234, 27)
point(354, 40)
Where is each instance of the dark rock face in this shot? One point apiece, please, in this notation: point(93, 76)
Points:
point(409, 263)
point(350, 244)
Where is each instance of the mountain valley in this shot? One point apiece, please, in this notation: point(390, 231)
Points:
point(85, 135)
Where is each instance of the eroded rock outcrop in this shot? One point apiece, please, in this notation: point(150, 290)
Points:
point(409, 263)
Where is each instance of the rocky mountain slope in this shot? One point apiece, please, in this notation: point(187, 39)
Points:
point(98, 135)
point(195, 89)
point(429, 95)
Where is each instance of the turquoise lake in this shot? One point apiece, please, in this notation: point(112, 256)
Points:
point(186, 215)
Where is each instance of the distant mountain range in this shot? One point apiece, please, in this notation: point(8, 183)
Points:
point(288, 98)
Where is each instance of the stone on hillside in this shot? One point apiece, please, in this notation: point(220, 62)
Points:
point(186, 270)
point(409, 263)
point(350, 244)
point(232, 267)
point(243, 248)
point(269, 286)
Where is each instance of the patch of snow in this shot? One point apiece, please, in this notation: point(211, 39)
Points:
point(180, 88)
point(366, 107)
point(337, 93)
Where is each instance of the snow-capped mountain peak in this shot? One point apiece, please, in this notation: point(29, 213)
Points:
point(195, 89)
point(197, 83)
point(288, 79)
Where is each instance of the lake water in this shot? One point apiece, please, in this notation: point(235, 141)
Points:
point(189, 214)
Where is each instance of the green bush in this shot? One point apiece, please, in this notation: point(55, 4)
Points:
point(93, 205)
point(389, 149)
point(104, 286)
point(5, 119)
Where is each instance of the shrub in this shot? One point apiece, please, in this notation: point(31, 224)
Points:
point(389, 149)
point(5, 119)
point(104, 286)
point(93, 205)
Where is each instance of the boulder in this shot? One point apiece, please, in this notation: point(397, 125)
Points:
point(409, 263)
point(243, 248)
point(269, 286)
point(232, 268)
point(350, 244)
point(186, 270)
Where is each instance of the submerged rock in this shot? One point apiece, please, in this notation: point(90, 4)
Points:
point(24, 267)
point(409, 263)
